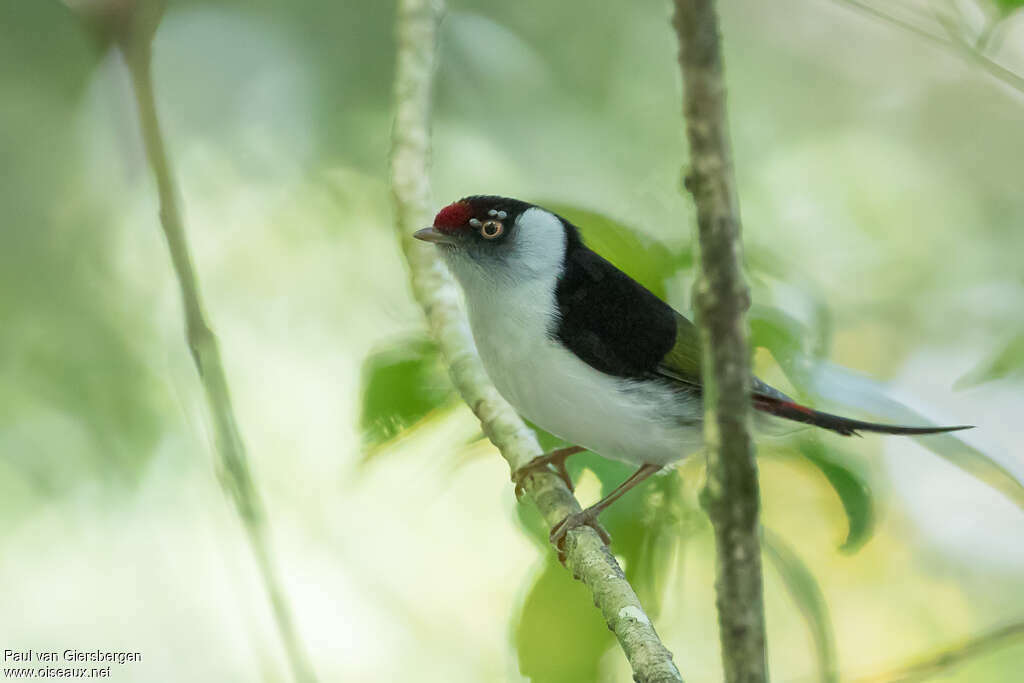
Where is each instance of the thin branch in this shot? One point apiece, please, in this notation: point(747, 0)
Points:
point(234, 468)
point(939, 662)
point(587, 557)
point(722, 298)
point(962, 47)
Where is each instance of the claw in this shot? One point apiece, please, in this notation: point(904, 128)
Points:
point(520, 475)
point(541, 462)
point(587, 517)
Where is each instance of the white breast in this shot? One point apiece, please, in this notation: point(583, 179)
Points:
point(634, 421)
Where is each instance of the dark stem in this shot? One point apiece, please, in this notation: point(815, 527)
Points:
point(731, 495)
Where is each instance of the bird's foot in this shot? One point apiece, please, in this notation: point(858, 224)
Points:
point(555, 458)
point(575, 520)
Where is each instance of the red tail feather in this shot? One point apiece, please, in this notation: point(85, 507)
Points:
point(843, 425)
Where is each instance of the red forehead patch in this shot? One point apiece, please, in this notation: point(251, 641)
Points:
point(453, 217)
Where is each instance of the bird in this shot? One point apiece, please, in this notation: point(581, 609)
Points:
point(586, 352)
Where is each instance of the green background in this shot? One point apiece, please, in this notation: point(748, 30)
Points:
point(880, 183)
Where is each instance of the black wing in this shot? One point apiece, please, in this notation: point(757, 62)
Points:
point(617, 326)
point(611, 321)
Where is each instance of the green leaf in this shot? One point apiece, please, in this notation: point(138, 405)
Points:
point(763, 259)
point(560, 637)
point(646, 260)
point(804, 589)
point(853, 491)
point(785, 338)
point(647, 532)
point(1007, 361)
point(1008, 6)
point(846, 392)
point(829, 386)
point(645, 524)
point(401, 384)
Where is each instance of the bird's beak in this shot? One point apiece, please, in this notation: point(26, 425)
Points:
point(433, 235)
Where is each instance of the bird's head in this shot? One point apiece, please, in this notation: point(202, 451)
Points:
point(498, 239)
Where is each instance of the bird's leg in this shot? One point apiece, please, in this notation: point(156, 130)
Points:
point(589, 515)
point(556, 457)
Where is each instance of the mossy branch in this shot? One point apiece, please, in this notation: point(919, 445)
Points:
point(731, 495)
point(234, 469)
point(587, 557)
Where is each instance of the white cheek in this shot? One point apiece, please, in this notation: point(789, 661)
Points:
point(539, 243)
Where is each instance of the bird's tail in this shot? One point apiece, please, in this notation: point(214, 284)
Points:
point(843, 425)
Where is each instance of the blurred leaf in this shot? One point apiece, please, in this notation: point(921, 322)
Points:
point(645, 524)
point(560, 637)
point(939, 663)
point(846, 392)
point(1008, 360)
point(559, 634)
point(762, 259)
point(786, 338)
point(1008, 6)
point(130, 24)
point(806, 593)
point(853, 491)
point(401, 384)
point(821, 324)
point(647, 532)
point(646, 260)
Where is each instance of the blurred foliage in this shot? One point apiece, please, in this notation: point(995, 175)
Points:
point(1007, 361)
point(559, 636)
point(131, 24)
point(853, 490)
point(881, 210)
point(1009, 6)
point(401, 384)
point(647, 260)
point(649, 528)
point(74, 332)
point(806, 593)
point(820, 383)
point(787, 339)
point(846, 391)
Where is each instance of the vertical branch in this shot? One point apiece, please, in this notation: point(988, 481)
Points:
point(586, 555)
point(234, 468)
point(731, 495)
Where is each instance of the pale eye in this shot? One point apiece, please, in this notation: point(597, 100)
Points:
point(492, 229)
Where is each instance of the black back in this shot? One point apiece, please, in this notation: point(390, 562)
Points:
point(607, 318)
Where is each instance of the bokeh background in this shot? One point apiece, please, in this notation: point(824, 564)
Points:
point(880, 180)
